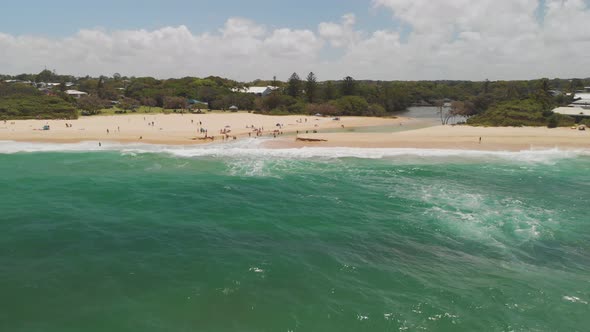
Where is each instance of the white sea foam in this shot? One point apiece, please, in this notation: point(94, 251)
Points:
point(574, 299)
point(253, 148)
point(256, 270)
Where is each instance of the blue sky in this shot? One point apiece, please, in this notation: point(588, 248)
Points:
point(248, 39)
point(66, 17)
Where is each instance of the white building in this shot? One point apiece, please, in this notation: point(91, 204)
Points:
point(581, 99)
point(76, 94)
point(573, 111)
point(19, 81)
point(260, 91)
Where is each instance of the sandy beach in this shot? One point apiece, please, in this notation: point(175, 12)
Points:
point(459, 137)
point(174, 128)
point(177, 129)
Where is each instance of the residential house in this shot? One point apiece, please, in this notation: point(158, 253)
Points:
point(76, 94)
point(260, 91)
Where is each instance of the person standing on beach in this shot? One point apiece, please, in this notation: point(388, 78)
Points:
point(480, 140)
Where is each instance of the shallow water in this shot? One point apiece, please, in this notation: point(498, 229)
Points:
point(239, 238)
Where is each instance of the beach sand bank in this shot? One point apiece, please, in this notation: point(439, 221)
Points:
point(173, 128)
point(454, 137)
point(177, 129)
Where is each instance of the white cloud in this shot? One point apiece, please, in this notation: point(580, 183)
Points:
point(340, 34)
point(500, 39)
point(242, 49)
point(451, 39)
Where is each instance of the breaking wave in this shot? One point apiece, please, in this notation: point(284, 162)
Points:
point(255, 149)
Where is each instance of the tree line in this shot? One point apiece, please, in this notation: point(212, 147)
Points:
point(304, 96)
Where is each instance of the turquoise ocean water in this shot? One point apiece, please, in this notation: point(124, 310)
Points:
point(239, 238)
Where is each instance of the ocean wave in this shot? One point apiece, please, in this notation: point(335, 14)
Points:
point(254, 148)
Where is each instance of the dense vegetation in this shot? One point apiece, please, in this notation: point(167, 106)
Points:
point(25, 102)
point(527, 112)
point(500, 103)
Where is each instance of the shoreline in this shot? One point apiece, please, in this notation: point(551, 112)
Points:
point(458, 138)
point(181, 130)
point(175, 129)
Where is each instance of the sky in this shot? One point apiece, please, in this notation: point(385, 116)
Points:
point(259, 39)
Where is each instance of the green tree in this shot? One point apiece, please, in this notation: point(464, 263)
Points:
point(90, 105)
point(100, 87)
point(545, 86)
point(376, 110)
point(543, 94)
point(352, 105)
point(276, 101)
point(486, 86)
point(35, 107)
point(129, 104)
point(393, 98)
point(348, 86)
point(311, 87)
point(575, 84)
point(329, 91)
point(149, 102)
point(512, 91)
point(45, 76)
point(326, 109)
point(553, 121)
point(294, 86)
point(175, 103)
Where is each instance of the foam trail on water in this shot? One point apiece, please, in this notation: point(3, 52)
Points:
point(252, 149)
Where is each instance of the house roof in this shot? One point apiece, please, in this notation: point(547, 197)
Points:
point(582, 96)
point(75, 92)
point(572, 111)
point(194, 101)
point(255, 89)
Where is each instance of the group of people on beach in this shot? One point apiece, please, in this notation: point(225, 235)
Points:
point(224, 133)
